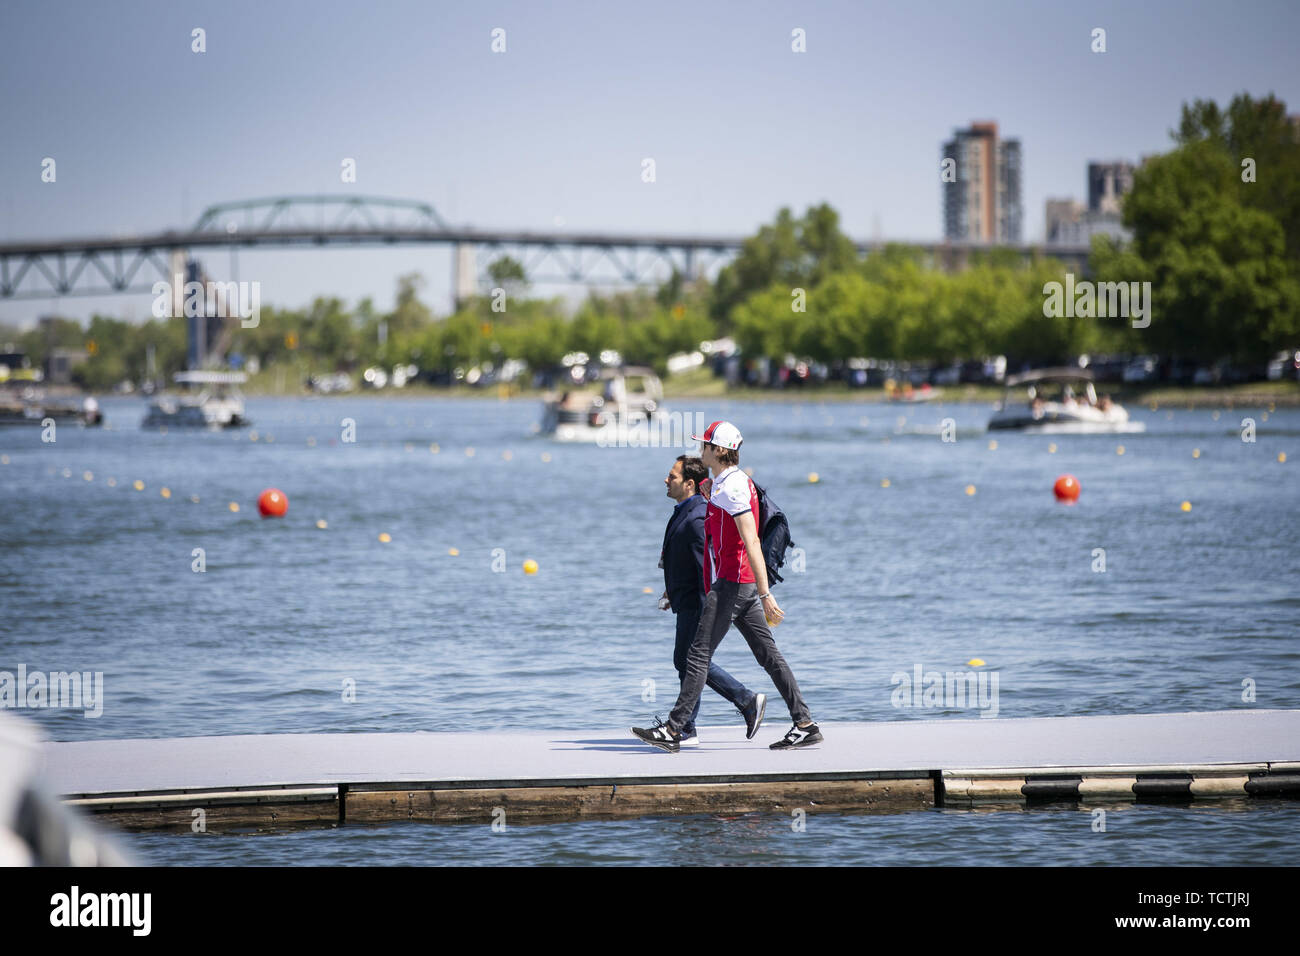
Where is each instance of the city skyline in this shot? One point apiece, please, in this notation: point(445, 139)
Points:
point(552, 132)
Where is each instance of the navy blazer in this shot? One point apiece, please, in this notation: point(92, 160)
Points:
point(683, 554)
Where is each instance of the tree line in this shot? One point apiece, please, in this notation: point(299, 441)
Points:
point(1216, 227)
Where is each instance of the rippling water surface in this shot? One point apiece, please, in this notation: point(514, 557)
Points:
point(902, 567)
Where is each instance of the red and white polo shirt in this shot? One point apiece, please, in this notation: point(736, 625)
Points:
point(724, 550)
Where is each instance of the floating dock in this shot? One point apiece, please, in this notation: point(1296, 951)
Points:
point(292, 779)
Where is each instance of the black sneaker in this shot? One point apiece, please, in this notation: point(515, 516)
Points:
point(799, 737)
point(754, 715)
point(660, 736)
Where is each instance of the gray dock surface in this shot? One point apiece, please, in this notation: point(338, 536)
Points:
point(911, 756)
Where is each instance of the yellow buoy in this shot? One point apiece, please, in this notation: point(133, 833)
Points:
point(546, 456)
point(1186, 506)
point(433, 449)
point(138, 485)
point(975, 662)
point(813, 478)
point(234, 506)
point(1119, 449)
point(453, 551)
point(252, 436)
point(385, 537)
point(970, 489)
point(1281, 456)
point(647, 590)
point(321, 523)
point(1051, 449)
point(4, 459)
point(530, 566)
point(1196, 453)
point(993, 444)
point(884, 482)
point(1263, 416)
point(165, 492)
point(88, 475)
point(469, 452)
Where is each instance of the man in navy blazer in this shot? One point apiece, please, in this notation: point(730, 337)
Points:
point(683, 563)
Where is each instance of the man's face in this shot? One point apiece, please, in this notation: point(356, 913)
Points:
point(706, 455)
point(678, 489)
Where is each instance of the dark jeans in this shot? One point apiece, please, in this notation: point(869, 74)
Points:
point(688, 619)
point(726, 603)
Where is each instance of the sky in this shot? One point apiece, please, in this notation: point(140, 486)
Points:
point(147, 133)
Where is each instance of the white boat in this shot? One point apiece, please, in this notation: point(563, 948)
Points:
point(218, 403)
point(628, 403)
point(1059, 401)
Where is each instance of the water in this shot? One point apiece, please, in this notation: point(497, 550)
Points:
point(1191, 604)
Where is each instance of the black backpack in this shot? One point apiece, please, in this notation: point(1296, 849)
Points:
point(773, 534)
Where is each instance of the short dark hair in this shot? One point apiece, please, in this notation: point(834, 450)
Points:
point(727, 456)
point(693, 469)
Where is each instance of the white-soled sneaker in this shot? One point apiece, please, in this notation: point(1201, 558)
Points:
point(689, 740)
point(659, 736)
point(798, 736)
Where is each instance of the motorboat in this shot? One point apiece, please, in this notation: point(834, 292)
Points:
point(31, 406)
point(213, 401)
point(1059, 400)
point(907, 395)
point(626, 401)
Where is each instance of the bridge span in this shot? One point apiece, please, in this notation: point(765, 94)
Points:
point(132, 264)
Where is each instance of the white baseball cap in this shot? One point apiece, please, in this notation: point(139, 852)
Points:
point(722, 434)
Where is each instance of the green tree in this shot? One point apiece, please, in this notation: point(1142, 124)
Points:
point(1221, 283)
point(790, 252)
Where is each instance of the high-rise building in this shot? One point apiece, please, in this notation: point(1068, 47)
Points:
point(982, 202)
point(1107, 184)
point(1069, 223)
point(1062, 215)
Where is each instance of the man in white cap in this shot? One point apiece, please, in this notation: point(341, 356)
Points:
point(735, 577)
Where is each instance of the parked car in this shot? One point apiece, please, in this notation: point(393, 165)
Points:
point(1285, 366)
point(946, 374)
point(1141, 369)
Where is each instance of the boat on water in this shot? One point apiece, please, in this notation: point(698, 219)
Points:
point(907, 395)
point(625, 401)
point(1059, 400)
point(213, 401)
point(31, 406)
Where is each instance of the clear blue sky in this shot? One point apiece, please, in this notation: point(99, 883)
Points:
point(146, 133)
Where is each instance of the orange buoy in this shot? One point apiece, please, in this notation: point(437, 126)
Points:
point(272, 503)
point(1066, 488)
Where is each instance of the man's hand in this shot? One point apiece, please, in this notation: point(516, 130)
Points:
point(772, 610)
point(664, 603)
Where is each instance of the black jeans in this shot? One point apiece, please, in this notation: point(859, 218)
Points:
point(688, 621)
point(728, 602)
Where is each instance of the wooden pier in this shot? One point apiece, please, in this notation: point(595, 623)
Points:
point(292, 779)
